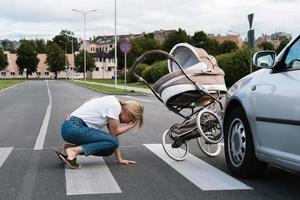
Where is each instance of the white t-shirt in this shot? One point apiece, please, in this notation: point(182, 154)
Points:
point(96, 112)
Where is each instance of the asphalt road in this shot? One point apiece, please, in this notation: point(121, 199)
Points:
point(28, 174)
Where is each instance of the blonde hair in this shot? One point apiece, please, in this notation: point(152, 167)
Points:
point(135, 109)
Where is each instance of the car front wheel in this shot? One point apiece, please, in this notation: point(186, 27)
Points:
point(239, 148)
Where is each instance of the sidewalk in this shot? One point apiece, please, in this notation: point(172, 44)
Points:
point(138, 89)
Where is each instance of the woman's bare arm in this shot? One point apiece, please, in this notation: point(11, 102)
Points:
point(120, 159)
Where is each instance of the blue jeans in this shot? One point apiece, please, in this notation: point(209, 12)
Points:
point(93, 141)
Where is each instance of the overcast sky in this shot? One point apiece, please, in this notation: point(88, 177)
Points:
point(45, 18)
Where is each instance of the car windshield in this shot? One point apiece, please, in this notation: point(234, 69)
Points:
point(293, 58)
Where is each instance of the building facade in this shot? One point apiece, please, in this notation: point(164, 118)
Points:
point(161, 35)
point(233, 38)
point(103, 69)
point(274, 38)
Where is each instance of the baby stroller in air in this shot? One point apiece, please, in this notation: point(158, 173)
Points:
point(192, 89)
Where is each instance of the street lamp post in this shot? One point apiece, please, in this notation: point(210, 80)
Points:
point(116, 59)
point(66, 62)
point(84, 40)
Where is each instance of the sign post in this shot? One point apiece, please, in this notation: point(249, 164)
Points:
point(125, 47)
point(251, 37)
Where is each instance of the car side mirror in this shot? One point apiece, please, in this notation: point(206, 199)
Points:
point(264, 59)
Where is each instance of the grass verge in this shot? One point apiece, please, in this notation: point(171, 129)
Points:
point(8, 83)
point(120, 82)
point(106, 89)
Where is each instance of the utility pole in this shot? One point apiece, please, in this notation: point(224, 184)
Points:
point(116, 59)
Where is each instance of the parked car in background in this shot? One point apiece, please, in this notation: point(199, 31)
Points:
point(262, 115)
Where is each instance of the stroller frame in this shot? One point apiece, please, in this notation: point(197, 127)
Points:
point(191, 126)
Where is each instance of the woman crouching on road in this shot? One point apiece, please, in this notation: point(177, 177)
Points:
point(82, 128)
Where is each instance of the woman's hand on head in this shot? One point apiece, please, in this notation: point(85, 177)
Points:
point(131, 124)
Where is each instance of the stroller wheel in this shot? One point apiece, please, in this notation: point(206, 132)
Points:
point(209, 126)
point(209, 149)
point(170, 147)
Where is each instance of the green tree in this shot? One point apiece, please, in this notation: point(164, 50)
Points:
point(40, 46)
point(282, 44)
point(27, 58)
point(175, 38)
point(79, 62)
point(3, 60)
point(65, 39)
point(201, 40)
point(266, 46)
point(228, 46)
point(55, 58)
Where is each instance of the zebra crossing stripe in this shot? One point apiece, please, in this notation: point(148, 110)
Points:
point(4, 153)
point(94, 177)
point(200, 173)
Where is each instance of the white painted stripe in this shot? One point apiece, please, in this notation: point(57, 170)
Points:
point(94, 177)
point(39, 143)
point(4, 153)
point(138, 99)
point(203, 175)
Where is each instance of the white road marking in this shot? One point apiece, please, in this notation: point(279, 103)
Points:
point(94, 177)
point(39, 143)
point(203, 175)
point(4, 153)
point(138, 99)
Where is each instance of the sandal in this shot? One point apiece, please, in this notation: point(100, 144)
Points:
point(71, 163)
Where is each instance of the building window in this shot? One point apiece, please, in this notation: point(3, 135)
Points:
point(20, 74)
point(97, 69)
point(38, 73)
point(109, 69)
point(110, 46)
point(46, 73)
point(12, 73)
point(3, 73)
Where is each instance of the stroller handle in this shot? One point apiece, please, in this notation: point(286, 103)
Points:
point(140, 60)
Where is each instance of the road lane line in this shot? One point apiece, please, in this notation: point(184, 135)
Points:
point(93, 178)
point(39, 143)
point(4, 153)
point(203, 175)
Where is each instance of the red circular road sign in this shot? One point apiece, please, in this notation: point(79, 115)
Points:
point(125, 46)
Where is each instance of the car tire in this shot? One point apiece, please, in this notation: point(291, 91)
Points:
point(239, 148)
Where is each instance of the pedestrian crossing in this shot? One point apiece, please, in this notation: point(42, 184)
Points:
point(95, 177)
point(4, 153)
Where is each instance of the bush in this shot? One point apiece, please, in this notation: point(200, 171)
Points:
point(139, 69)
point(158, 69)
point(146, 74)
point(235, 65)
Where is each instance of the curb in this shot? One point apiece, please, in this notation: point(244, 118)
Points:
point(108, 93)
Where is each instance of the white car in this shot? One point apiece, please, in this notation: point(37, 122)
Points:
point(262, 115)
